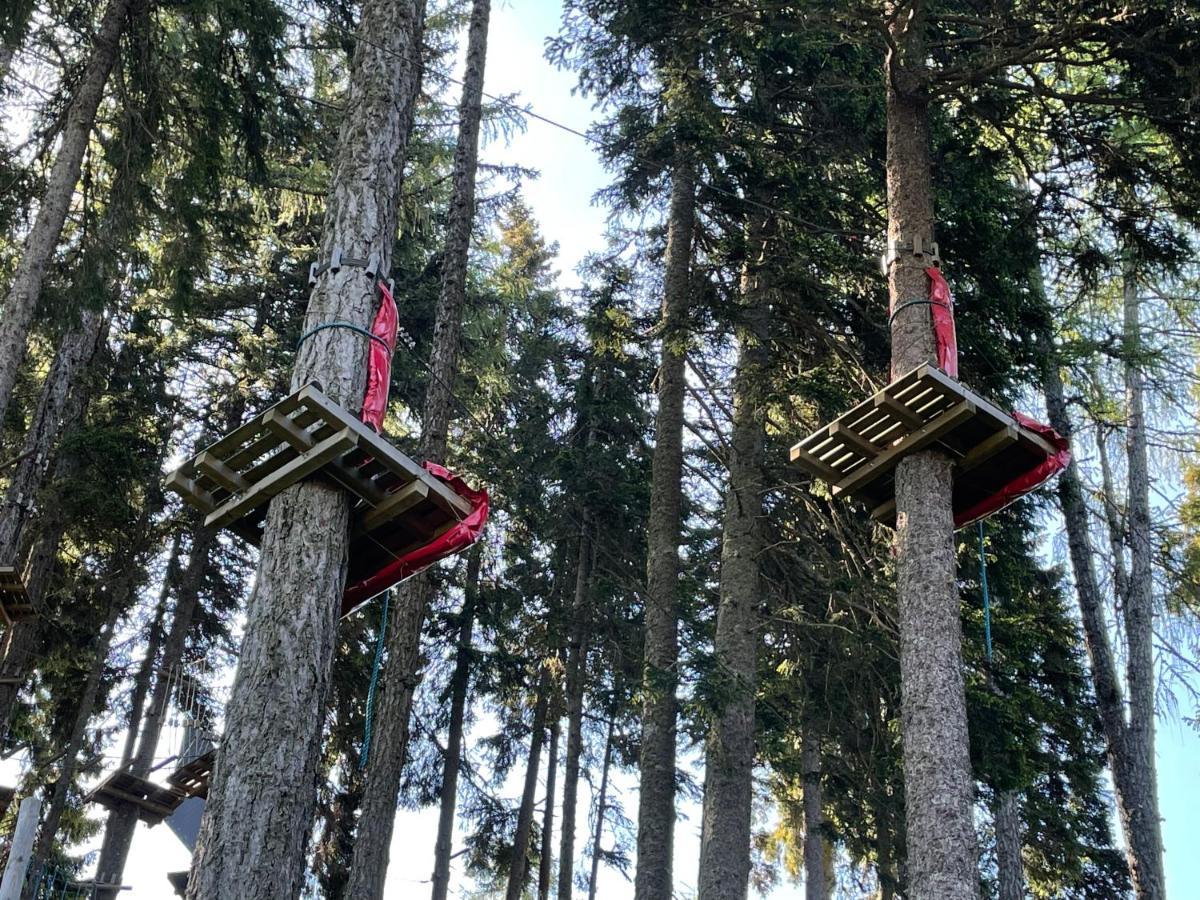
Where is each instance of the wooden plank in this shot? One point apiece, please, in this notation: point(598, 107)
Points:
point(854, 440)
point(989, 447)
point(394, 505)
point(884, 510)
point(287, 430)
point(231, 442)
point(190, 491)
point(895, 408)
point(815, 466)
point(215, 469)
point(300, 467)
point(910, 443)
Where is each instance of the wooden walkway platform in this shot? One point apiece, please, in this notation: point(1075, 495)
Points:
point(14, 601)
point(192, 777)
point(858, 452)
point(398, 505)
point(153, 801)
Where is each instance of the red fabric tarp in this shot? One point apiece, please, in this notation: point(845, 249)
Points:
point(457, 538)
point(1023, 482)
point(375, 400)
point(379, 360)
point(942, 304)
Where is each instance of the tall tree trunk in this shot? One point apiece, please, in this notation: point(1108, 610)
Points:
point(400, 675)
point(601, 808)
point(122, 822)
point(62, 400)
point(1146, 827)
point(729, 749)
point(656, 796)
point(546, 857)
point(1142, 849)
point(21, 302)
point(938, 783)
point(519, 867)
point(154, 640)
point(816, 878)
point(459, 683)
point(262, 798)
point(1009, 867)
point(70, 759)
point(577, 652)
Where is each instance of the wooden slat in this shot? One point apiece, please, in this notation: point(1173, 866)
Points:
point(982, 452)
point(815, 465)
point(300, 467)
point(854, 439)
point(179, 482)
point(395, 504)
point(885, 401)
point(911, 443)
point(222, 474)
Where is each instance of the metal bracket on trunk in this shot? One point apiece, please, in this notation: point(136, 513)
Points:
point(371, 264)
point(924, 250)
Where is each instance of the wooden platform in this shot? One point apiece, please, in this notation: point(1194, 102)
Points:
point(192, 777)
point(858, 452)
point(14, 602)
point(398, 505)
point(153, 801)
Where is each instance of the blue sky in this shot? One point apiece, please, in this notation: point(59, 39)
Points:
point(561, 199)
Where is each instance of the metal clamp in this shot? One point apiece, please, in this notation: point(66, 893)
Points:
point(337, 260)
point(917, 246)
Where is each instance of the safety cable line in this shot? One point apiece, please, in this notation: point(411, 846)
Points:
point(376, 666)
point(987, 600)
point(531, 114)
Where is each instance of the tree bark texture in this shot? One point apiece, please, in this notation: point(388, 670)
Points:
point(122, 822)
point(577, 652)
point(63, 399)
point(601, 809)
point(401, 673)
point(21, 302)
point(546, 857)
point(1145, 823)
point(1142, 853)
point(816, 877)
point(729, 750)
point(460, 681)
point(519, 866)
point(939, 789)
point(656, 796)
point(262, 797)
point(70, 758)
point(1009, 867)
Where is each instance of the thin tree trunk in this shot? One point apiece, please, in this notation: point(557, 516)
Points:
point(1146, 827)
point(1112, 516)
point(1011, 871)
point(141, 683)
point(546, 857)
point(656, 796)
point(938, 783)
point(262, 797)
point(601, 808)
point(519, 865)
point(459, 683)
point(1142, 851)
point(816, 878)
point(21, 302)
point(401, 673)
point(70, 759)
point(884, 863)
point(122, 822)
point(576, 685)
point(12, 35)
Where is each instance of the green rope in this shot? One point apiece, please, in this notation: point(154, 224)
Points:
point(350, 326)
point(375, 668)
point(987, 600)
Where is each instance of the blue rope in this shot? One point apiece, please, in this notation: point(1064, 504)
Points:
point(375, 667)
point(987, 600)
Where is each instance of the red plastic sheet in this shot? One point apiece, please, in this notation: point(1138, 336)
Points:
point(1024, 482)
point(456, 539)
point(379, 360)
point(942, 304)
